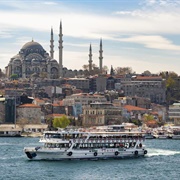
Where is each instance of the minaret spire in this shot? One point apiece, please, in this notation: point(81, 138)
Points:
point(90, 59)
point(52, 44)
point(100, 57)
point(60, 50)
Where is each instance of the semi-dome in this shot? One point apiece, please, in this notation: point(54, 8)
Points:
point(53, 60)
point(17, 56)
point(32, 45)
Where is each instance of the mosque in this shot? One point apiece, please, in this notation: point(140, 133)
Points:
point(33, 59)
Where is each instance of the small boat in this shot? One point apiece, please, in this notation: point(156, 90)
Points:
point(149, 136)
point(70, 145)
point(176, 134)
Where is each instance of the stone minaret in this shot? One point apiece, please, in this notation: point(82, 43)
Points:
point(90, 59)
point(52, 45)
point(100, 57)
point(60, 50)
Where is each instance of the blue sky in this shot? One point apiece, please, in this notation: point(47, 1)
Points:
point(141, 34)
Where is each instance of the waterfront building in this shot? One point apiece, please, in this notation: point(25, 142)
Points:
point(2, 110)
point(31, 112)
point(99, 114)
point(174, 113)
point(134, 112)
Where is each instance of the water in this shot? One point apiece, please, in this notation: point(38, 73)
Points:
point(162, 162)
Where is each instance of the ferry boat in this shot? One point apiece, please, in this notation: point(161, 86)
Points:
point(62, 145)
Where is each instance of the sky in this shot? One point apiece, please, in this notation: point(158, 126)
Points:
point(141, 34)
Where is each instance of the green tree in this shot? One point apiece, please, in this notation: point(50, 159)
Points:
point(166, 74)
point(61, 122)
point(170, 83)
point(147, 117)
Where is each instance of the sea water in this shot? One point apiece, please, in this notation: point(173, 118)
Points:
point(162, 163)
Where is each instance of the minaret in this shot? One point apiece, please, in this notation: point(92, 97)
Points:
point(60, 50)
point(100, 57)
point(52, 45)
point(90, 59)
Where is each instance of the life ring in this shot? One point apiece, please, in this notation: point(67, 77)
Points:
point(69, 154)
point(136, 153)
point(116, 153)
point(95, 153)
point(145, 151)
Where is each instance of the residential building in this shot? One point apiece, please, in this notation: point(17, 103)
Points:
point(31, 112)
point(152, 87)
point(79, 83)
point(98, 114)
point(174, 113)
point(134, 112)
point(83, 99)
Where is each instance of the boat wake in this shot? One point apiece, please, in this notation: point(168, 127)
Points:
point(161, 152)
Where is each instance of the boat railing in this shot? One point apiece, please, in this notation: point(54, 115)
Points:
point(92, 140)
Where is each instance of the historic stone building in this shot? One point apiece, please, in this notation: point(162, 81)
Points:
point(101, 113)
point(32, 59)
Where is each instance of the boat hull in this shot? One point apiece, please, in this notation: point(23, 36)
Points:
point(45, 154)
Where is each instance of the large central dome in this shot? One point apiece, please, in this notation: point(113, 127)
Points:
point(32, 45)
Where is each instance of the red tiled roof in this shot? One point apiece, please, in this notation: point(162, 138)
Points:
point(56, 105)
point(151, 122)
point(148, 77)
point(134, 108)
point(155, 113)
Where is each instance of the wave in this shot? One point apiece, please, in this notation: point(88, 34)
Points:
point(161, 152)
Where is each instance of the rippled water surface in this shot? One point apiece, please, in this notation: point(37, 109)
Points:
point(161, 162)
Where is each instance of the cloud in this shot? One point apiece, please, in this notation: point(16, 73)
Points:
point(92, 26)
point(155, 42)
point(5, 34)
point(50, 3)
point(147, 26)
point(161, 3)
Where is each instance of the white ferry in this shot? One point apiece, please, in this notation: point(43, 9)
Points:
point(62, 145)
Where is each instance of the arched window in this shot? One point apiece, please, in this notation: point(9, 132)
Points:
point(54, 73)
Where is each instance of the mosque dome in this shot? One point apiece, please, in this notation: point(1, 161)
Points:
point(32, 45)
